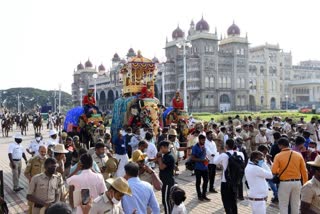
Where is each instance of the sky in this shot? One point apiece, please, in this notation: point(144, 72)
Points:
point(42, 41)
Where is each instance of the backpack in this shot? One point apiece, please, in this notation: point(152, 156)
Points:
point(235, 170)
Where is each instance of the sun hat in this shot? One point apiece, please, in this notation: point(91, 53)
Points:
point(17, 136)
point(52, 132)
point(316, 162)
point(120, 184)
point(112, 165)
point(59, 148)
point(172, 132)
point(137, 155)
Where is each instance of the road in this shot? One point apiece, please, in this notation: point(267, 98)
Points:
point(17, 201)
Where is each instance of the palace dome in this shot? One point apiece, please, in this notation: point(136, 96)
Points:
point(202, 25)
point(177, 33)
point(233, 30)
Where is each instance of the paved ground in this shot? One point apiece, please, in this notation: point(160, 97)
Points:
point(17, 201)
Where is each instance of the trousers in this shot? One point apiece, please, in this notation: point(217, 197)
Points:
point(166, 201)
point(16, 173)
point(258, 207)
point(289, 194)
point(204, 175)
point(229, 198)
point(212, 175)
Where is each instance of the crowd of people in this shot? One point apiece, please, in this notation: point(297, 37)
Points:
point(121, 176)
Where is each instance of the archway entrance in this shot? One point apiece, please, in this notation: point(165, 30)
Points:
point(252, 103)
point(110, 100)
point(225, 104)
point(102, 101)
point(273, 103)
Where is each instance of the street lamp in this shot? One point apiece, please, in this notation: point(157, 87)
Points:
point(287, 100)
point(183, 43)
point(81, 89)
point(95, 76)
point(163, 93)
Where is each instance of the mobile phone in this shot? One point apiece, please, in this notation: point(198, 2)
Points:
point(85, 196)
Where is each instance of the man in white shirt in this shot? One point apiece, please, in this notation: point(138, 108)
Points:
point(151, 151)
point(211, 151)
point(261, 138)
point(15, 154)
point(53, 140)
point(34, 145)
point(135, 139)
point(256, 174)
point(229, 197)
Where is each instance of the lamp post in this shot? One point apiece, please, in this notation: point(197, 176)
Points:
point(59, 98)
point(95, 76)
point(287, 100)
point(18, 103)
point(81, 89)
point(183, 43)
point(163, 92)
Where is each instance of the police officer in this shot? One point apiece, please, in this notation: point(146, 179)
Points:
point(35, 144)
point(45, 188)
point(101, 158)
point(53, 140)
point(36, 164)
point(34, 167)
point(109, 201)
point(15, 153)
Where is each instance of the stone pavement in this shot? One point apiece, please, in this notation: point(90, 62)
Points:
point(17, 201)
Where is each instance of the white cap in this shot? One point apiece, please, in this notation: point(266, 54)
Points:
point(17, 136)
point(52, 132)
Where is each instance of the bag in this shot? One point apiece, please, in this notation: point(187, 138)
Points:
point(235, 170)
point(276, 178)
point(190, 164)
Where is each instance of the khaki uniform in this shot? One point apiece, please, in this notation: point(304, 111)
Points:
point(45, 188)
point(35, 166)
point(101, 162)
point(220, 143)
point(253, 135)
point(310, 194)
point(102, 205)
point(247, 143)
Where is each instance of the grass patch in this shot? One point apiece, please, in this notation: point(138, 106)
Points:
point(218, 117)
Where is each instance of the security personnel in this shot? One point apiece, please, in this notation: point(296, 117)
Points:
point(15, 153)
point(45, 188)
point(109, 201)
point(101, 159)
point(53, 140)
point(36, 164)
point(34, 167)
point(35, 144)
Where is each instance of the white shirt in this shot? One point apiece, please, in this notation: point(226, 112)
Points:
point(151, 153)
point(223, 159)
point(211, 149)
point(88, 180)
point(256, 177)
point(16, 150)
point(34, 146)
point(52, 141)
point(134, 142)
point(269, 134)
point(181, 209)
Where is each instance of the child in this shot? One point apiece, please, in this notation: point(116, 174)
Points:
point(178, 196)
